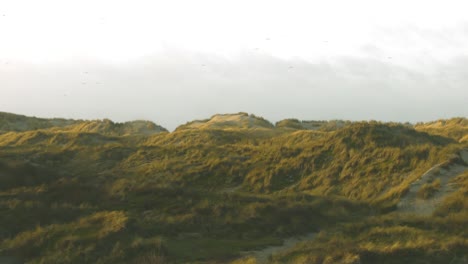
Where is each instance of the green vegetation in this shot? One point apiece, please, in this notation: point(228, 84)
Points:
point(104, 192)
point(456, 128)
point(12, 122)
point(386, 239)
point(229, 121)
point(18, 123)
point(293, 123)
point(394, 238)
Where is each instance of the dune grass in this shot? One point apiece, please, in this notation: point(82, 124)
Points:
point(79, 195)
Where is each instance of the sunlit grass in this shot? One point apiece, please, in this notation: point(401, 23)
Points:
point(90, 193)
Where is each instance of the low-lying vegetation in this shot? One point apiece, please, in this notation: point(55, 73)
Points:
point(101, 192)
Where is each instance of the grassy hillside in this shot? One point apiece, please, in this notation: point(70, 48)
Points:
point(394, 238)
point(323, 125)
point(18, 123)
point(229, 121)
point(103, 192)
point(13, 122)
point(456, 128)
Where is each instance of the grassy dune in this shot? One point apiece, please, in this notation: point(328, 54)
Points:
point(103, 192)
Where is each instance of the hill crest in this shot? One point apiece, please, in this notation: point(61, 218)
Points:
point(19, 123)
point(240, 120)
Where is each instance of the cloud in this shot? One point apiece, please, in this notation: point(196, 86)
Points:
point(173, 87)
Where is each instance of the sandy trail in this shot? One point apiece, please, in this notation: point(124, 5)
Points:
point(232, 189)
point(263, 255)
point(410, 203)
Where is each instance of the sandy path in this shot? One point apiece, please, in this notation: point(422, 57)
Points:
point(410, 203)
point(232, 189)
point(263, 255)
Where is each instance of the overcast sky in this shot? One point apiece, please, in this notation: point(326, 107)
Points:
point(175, 61)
